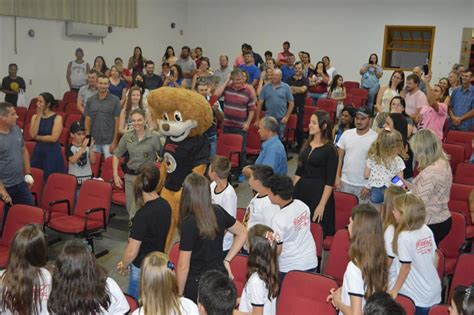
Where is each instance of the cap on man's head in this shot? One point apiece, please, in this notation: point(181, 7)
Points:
point(79, 50)
point(364, 111)
point(76, 127)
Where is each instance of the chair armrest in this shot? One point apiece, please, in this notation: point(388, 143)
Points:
point(55, 202)
point(90, 211)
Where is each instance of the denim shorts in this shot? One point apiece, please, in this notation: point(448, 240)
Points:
point(376, 194)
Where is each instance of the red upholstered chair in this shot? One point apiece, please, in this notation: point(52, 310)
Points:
point(38, 185)
point(71, 118)
point(439, 310)
point(20, 124)
point(33, 104)
point(96, 166)
point(317, 232)
point(63, 116)
point(349, 85)
point(290, 130)
point(459, 202)
point(357, 100)
point(71, 107)
point(230, 146)
point(70, 96)
point(308, 102)
point(17, 217)
point(132, 303)
point(456, 152)
point(59, 195)
point(441, 264)
point(30, 146)
point(240, 214)
point(464, 174)
point(344, 203)
point(65, 137)
point(463, 274)
point(29, 115)
point(91, 214)
point(328, 105)
point(253, 141)
point(26, 132)
point(349, 101)
point(174, 254)
point(238, 266)
point(461, 137)
point(305, 293)
point(118, 194)
point(362, 93)
point(21, 112)
point(406, 303)
point(452, 244)
point(338, 257)
point(308, 111)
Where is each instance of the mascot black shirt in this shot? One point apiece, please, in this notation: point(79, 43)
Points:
point(181, 157)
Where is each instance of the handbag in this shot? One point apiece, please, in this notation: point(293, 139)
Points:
point(21, 101)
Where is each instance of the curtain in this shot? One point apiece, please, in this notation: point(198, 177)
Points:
point(7, 7)
point(123, 13)
point(44, 9)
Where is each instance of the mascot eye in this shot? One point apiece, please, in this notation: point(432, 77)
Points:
point(165, 116)
point(177, 116)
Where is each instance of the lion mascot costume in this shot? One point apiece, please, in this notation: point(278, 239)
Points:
point(182, 117)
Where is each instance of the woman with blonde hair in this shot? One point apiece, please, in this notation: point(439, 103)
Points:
point(433, 183)
point(159, 289)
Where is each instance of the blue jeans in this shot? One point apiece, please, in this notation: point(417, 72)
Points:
point(422, 310)
point(213, 145)
point(134, 281)
point(20, 194)
point(103, 149)
point(239, 131)
point(377, 194)
point(316, 96)
point(372, 94)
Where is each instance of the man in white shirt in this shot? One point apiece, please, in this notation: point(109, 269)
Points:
point(296, 248)
point(353, 147)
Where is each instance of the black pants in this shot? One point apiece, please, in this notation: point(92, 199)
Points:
point(440, 230)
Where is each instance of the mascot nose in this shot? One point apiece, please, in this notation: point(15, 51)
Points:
point(166, 127)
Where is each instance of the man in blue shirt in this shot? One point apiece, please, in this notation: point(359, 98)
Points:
point(461, 110)
point(288, 70)
point(251, 69)
point(272, 152)
point(279, 101)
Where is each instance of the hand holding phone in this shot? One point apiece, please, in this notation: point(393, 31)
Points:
point(397, 181)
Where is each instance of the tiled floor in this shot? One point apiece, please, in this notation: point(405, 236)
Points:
point(115, 239)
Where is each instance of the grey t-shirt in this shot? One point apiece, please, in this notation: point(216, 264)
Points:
point(222, 75)
point(11, 161)
point(85, 93)
point(187, 65)
point(103, 114)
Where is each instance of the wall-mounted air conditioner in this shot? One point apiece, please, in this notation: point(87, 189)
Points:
point(75, 29)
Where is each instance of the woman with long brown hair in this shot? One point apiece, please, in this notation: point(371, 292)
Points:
point(316, 172)
point(367, 271)
point(203, 226)
point(81, 286)
point(134, 100)
point(25, 283)
point(159, 289)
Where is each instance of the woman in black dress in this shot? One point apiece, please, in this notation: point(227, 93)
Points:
point(316, 172)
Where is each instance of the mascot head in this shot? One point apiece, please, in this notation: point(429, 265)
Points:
point(180, 113)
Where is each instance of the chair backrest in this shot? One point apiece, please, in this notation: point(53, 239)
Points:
point(238, 266)
point(461, 137)
point(227, 144)
point(64, 137)
point(96, 166)
point(305, 293)
point(317, 232)
point(348, 100)
point(240, 214)
point(71, 107)
point(70, 96)
point(463, 274)
point(71, 118)
point(338, 256)
point(441, 263)
point(17, 217)
point(30, 145)
point(357, 100)
point(464, 174)
point(344, 202)
point(452, 243)
point(21, 112)
point(59, 187)
point(132, 303)
point(406, 303)
point(459, 200)
point(38, 185)
point(308, 111)
point(456, 153)
point(29, 116)
point(253, 139)
point(174, 254)
point(439, 310)
point(26, 132)
point(349, 85)
point(328, 105)
point(361, 94)
point(94, 194)
point(107, 172)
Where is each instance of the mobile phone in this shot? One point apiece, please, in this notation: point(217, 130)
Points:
point(426, 68)
point(90, 140)
point(397, 181)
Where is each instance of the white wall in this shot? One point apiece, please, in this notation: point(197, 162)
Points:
point(43, 59)
point(347, 31)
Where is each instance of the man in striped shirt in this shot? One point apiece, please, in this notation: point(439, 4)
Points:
point(239, 107)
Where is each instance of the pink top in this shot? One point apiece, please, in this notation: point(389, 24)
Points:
point(434, 120)
point(414, 101)
point(239, 60)
point(282, 58)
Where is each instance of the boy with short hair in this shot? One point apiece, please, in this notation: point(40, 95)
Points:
point(217, 294)
point(260, 209)
point(222, 193)
point(80, 153)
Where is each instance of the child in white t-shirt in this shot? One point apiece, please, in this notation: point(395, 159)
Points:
point(296, 247)
point(222, 193)
point(80, 153)
point(383, 163)
point(262, 286)
point(389, 226)
point(366, 272)
point(414, 244)
point(260, 209)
